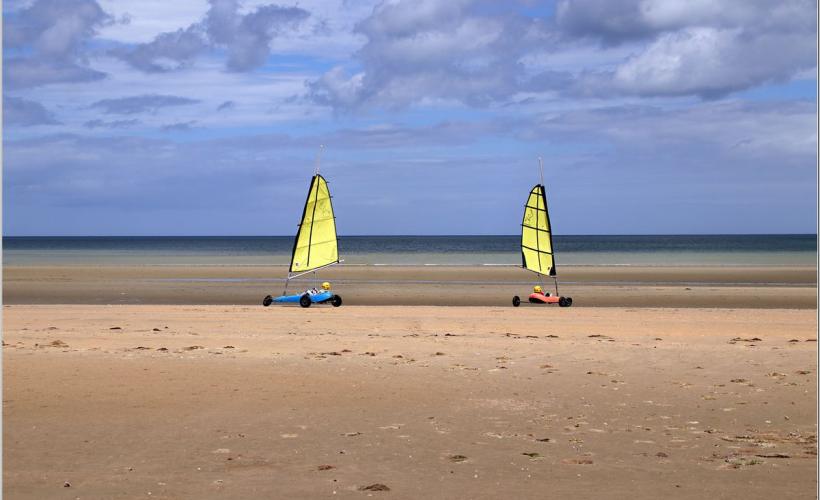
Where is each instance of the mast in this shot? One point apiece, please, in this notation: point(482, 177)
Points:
point(319, 159)
point(552, 248)
point(543, 190)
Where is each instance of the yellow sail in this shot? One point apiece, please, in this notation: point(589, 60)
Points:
point(536, 234)
point(316, 244)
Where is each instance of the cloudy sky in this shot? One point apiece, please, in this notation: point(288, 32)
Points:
point(155, 117)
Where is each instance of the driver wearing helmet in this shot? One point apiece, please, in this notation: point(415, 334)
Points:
point(314, 291)
point(537, 289)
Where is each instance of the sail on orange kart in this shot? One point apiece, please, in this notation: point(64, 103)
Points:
point(536, 246)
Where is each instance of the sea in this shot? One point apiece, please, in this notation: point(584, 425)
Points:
point(582, 250)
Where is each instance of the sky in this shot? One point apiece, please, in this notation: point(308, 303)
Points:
point(205, 117)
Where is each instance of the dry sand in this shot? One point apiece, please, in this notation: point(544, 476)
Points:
point(428, 402)
point(774, 287)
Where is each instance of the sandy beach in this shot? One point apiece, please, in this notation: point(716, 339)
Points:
point(213, 401)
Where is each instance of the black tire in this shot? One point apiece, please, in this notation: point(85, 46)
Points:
point(336, 300)
point(305, 301)
point(562, 302)
point(516, 301)
point(569, 301)
point(268, 300)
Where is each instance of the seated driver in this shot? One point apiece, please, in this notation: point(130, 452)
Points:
point(314, 291)
point(537, 289)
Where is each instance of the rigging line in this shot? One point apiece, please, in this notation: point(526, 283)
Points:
point(319, 159)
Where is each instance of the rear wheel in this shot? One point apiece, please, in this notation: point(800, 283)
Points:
point(562, 302)
point(569, 301)
point(336, 301)
point(305, 301)
point(516, 301)
point(268, 300)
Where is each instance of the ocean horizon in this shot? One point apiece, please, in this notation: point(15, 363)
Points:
point(571, 250)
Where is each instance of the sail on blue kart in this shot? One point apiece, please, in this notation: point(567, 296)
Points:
point(315, 247)
point(305, 299)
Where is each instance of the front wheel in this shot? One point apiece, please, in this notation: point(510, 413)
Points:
point(564, 302)
point(336, 301)
point(305, 301)
point(569, 301)
point(516, 301)
point(268, 300)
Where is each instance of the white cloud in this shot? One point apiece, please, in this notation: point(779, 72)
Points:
point(244, 37)
point(466, 52)
point(148, 18)
point(711, 62)
point(25, 113)
point(779, 131)
point(47, 40)
point(260, 99)
point(422, 51)
point(695, 47)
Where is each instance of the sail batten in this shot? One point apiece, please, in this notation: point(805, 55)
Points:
point(316, 243)
point(536, 234)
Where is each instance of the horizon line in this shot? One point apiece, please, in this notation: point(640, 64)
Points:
point(378, 235)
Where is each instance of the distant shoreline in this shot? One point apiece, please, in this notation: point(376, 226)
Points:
point(605, 286)
point(648, 235)
point(510, 266)
point(641, 250)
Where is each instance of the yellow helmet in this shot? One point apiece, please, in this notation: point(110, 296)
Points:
point(537, 289)
point(325, 286)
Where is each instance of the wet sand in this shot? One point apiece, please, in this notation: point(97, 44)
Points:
point(733, 287)
point(127, 401)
